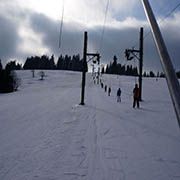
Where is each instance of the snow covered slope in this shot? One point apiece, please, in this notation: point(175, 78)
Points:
point(46, 135)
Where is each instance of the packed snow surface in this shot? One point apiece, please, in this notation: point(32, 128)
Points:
point(46, 135)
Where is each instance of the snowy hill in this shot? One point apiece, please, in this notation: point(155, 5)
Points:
point(46, 135)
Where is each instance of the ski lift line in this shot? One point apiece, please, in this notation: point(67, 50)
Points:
point(90, 58)
point(162, 20)
point(103, 30)
point(167, 15)
point(61, 26)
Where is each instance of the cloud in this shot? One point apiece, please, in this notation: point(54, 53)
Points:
point(11, 19)
point(25, 32)
point(171, 36)
point(49, 30)
point(116, 38)
point(9, 38)
point(72, 39)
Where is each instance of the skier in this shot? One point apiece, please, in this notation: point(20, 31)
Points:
point(109, 91)
point(94, 80)
point(119, 95)
point(105, 88)
point(102, 85)
point(136, 94)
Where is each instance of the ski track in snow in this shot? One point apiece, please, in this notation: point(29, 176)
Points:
point(46, 135)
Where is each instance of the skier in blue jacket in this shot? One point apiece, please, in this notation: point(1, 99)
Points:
point(119, 95)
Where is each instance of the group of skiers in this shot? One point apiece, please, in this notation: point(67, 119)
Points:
point(105, 88)
point(136, 94)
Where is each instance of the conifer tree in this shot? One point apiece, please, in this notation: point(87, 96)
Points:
point(1, 67)
point(52, 63)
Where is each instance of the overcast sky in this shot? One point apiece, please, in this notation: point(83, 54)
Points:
point(31, 27)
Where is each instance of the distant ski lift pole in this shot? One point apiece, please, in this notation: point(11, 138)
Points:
point(171, 78)
point(85, 54)
point(98, 58)
point(84, 71)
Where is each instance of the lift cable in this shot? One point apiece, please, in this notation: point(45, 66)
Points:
point(103, 30)
point(61, 26)
point(162, 20)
